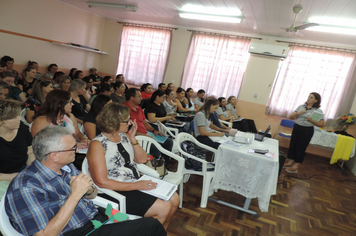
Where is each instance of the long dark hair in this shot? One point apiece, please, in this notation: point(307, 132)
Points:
point(37, 90)
point(71, 73)
point(54, 105)
point(206, 107)
point(318, 100)
point(157, 93)
point(186, 95)
point(24, 73)
point(98, 103)
point(220, 99)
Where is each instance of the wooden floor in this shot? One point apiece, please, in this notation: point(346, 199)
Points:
point(318, 203)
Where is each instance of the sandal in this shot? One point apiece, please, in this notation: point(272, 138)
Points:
point(292, 170)
point(287, 165)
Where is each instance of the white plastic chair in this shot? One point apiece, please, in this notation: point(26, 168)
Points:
point(23, 117)
point(172, 177)
point(228, 124)
point(7, 229)
point(168, 131)
point(207, 174)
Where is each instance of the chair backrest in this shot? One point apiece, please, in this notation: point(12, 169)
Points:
point(173, 132)
point(5, 224)
point(23, 117)
point(287, 123)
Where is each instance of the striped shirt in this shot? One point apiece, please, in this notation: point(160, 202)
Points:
point(37, 193)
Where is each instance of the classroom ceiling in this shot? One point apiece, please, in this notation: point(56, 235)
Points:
point(262, 18)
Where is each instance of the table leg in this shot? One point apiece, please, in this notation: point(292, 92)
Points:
point(244, 209)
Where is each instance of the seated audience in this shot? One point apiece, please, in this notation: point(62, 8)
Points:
point(119, 94)
point(199, 99)
point(91, 130)
point(50, 197)
point(72, 72)
point(38, 96)
point(93, 72)
point(9, 61)
point(169, 105)
point(162, 86)
point(188, 100)
point(202, 122)
point(78, 75)
point(27, 80)
point(106, 80)
point(121, 78)
point(180, 96)
point(90, 88)
point(15, 93)
point(146, 90)
point(225, 114)
point(112, 158)
point(15, 141)
point(105, 88)
point(57, 78)
point(3, 66)
point(4, 90)
point(80, 104)
point(217, 125)
point(52, 68)
point(133, 99)
point(245, 125)
point(36, 66)
point(171, 86)
point(64, 83)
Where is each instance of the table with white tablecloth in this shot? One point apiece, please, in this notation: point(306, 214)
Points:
point(249, 174)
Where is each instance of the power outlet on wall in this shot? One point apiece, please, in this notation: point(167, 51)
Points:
point(255, 95)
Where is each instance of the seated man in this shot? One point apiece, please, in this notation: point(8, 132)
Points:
point(133, 99)
point(162, 86)
point(50, 196)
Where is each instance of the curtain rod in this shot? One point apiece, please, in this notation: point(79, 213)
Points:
point(229, 35)
point(147, 26)
point(318, 46)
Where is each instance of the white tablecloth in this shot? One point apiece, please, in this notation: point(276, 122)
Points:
point(249, 174)
point(327, 139)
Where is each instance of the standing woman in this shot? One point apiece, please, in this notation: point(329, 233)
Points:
point(303, 131)
point(180, 94)
point(27, 81)
point(146, 90)
point(202, 122)
point(52, 68)
point(199, 99)
point(38, 96)
point(188, 100)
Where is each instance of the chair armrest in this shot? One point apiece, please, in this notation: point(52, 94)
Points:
point(147, 170)
point(229, 124)
point(102, 202)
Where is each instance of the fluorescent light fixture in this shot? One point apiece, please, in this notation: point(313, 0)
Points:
point(211, 10)
point(113, 6)
point(218, 18)
point(333, 29)
point(333, 21)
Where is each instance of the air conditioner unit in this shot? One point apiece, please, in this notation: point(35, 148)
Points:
point(268, 50)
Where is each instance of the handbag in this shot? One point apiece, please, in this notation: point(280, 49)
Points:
point(196, 151)
point(158, 163)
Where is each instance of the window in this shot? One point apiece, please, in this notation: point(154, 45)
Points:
point(143, 54)
point(216, 63)
point(309, 70)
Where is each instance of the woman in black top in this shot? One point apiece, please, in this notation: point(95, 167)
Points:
point(80, 104)
point(91, 130)
point(15, 141)
point(27, 81)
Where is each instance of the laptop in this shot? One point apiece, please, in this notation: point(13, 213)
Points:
point(260, 137)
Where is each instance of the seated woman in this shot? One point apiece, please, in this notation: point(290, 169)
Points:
point(90, 127)
point(78, 75)
point(90, 88)
point(15, 93)
point(225, 114)
point(27, 81)
point(245, 125)
point(105, 88)
point(199, 99)
point(146, 91)
point(72, 72)
point(4, 90)
point(80, 104)
point(64, 83)
point(180, 94)
point(36, 66)
point(38, 96)
point(202, 122)
point(57, 79)
point(188, 100)
point(15, 143)
point(52, 68)
point(119, 94)
point(169, 105)
point(112, 158)
point(106, 80)
point(155, 111)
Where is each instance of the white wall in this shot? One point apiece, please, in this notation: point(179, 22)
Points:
point(52, 20)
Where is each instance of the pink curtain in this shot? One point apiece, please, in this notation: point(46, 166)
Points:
point(143, 54)
point(306, 70)
point(216, 63)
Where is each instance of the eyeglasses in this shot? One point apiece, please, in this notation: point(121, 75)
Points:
point(126, 121)
point(74, 148)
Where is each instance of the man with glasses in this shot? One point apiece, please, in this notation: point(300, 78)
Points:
point(50, 196)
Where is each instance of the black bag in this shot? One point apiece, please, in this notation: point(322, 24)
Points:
point(196, 151)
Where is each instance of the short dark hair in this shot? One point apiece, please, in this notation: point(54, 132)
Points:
point(105, 87)
point(50, 66)
point(169, 84)
point(117, 84)
point(6, 59)
point(220, 99)
point(119, 76)
point(179, 90)
point(98, 103)
point(5, 74)
point(144, 86)
point(157, 93)
point(131, 92)
point(168, 91)
point(161, 84)
point(2, 64)
point(201, 91)
point(31, 63)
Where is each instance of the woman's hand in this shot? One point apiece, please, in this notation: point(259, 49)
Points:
point(146, 185)
point(133, 130)
point(301, 112)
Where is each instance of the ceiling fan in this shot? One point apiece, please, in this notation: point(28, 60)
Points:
point(293, 29)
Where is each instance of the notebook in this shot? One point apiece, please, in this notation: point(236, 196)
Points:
point(260, 137)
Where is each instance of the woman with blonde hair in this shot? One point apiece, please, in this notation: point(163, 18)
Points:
point(112, 158)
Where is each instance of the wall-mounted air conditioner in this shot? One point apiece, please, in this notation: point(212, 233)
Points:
point(268, 50)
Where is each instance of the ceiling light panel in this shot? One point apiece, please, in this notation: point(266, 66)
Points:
point(211, 10)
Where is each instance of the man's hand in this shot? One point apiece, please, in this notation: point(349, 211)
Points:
point(80, 185)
